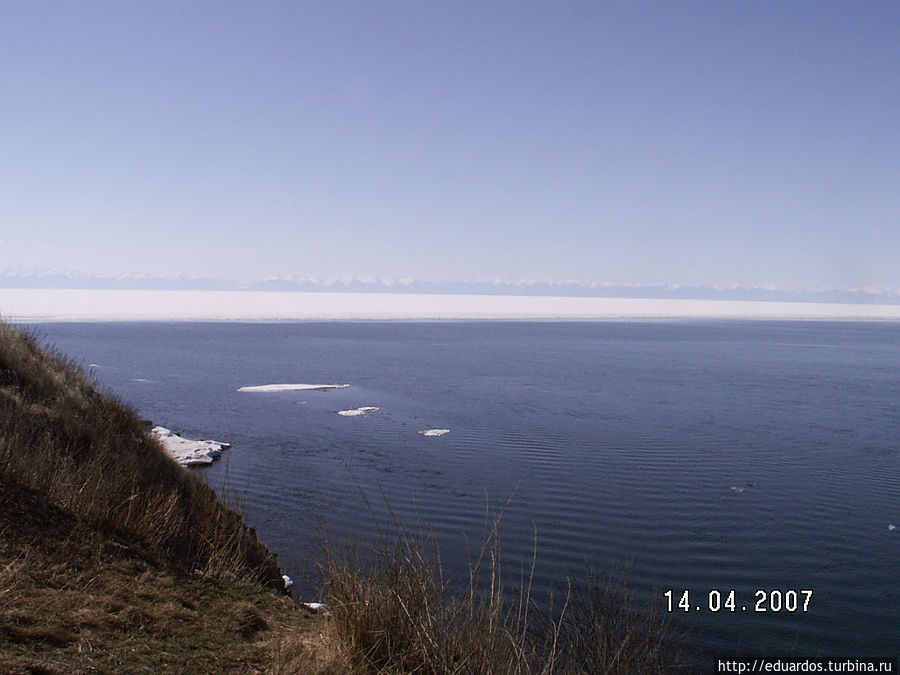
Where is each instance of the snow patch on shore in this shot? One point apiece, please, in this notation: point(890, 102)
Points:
point(358, 412)
point(288, 583)
point(315, 607)
point(186, 451)
point(293, 387)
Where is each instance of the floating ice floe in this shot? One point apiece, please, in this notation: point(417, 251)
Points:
point(185, 451)
point(434, 432)
point(293, 387)
point(358, 412)
point(141, 379)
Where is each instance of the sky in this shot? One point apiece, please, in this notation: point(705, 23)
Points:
point(694, 143)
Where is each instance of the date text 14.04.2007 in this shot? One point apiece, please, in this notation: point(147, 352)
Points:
point(771, 600)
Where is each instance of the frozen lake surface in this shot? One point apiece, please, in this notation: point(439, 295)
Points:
point(122, 305)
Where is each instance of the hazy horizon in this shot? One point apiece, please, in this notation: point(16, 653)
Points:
point(67, 280)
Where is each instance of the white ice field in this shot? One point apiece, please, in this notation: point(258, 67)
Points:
point(35, 305)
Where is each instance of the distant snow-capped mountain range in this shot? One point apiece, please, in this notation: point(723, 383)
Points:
point(62, 280)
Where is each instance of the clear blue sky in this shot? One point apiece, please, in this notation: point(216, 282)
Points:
point(629, 142)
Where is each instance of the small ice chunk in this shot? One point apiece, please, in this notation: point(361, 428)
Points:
point(186, 451)
point(434, 432)
point(358, 412)
point(892, 527)
point(292, 387)
point(141, 379)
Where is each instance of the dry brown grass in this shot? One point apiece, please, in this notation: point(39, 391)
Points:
point(76, 599)
point(308, 652)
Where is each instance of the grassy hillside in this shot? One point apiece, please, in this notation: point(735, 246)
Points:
point(88, 454)
point(81, 599)
point(113, 558)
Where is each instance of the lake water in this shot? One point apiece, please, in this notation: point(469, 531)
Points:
point(703, 454)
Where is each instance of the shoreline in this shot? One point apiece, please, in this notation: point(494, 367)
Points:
point(69, 305)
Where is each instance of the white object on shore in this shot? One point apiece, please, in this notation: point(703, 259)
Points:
point(315, 607)
point(186, 451)
point(358, 412)
point(434, 432)
point(293, 387)
point(288, 583)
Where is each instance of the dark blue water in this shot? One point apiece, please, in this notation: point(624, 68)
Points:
point(620, 441)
